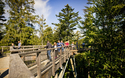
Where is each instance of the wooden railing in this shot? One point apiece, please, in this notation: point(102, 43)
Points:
point(42, 68)
point(9, 48)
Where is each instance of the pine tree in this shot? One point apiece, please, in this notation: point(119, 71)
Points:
point(20, 24)
point(67, 22)
point(34, 39)
point(103, 29)
point(48, 35)
point(56, 35)
point(42, 25)
point(2, 19)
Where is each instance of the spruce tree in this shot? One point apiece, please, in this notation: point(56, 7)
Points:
point(42, 25)
point(20, 24)
point(104, 30)
point(2, 19)
point(68, 20)
point(48, 35)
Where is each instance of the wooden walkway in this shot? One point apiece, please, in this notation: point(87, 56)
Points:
point(32, 62)
point(5, 59)
point(4, 67)
point(40, 67)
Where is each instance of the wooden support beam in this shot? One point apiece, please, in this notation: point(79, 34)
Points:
point(63, 70)
point(64, 55)
point(38, 65)
point(2, 49)
point(17, 68)
point(60, 57)
point(69, 52)
point(73, 69)
point(53, 63)
point(56, 76)
point(33, 47)
point(48, 69)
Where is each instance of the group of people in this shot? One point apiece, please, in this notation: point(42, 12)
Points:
point(57, 50)
point(49, 45)
point(19, 45)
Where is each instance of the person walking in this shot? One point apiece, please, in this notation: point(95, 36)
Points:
point(58, 45)
point(56, 51)
point(62, 44)
point(13, 46)
point(48, 51)
point(19, 45)
point(67, 43)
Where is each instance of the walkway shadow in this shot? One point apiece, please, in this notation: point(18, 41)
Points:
point(2, 75)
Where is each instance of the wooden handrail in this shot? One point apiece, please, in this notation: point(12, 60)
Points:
point(10, 47)
point(52, 66)
point(15, 50)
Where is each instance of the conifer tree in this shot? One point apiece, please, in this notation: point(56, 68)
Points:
point(42, 25)
point(68, 20)
point(2, 18)
point(103, 29)
point(48, 35)
point(20, 24)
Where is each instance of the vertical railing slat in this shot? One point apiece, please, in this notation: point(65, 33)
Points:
point(64, 55)
point(53, 63)
point(38, 65)
point(33, 47)
point(2, 49)
point(60, 57)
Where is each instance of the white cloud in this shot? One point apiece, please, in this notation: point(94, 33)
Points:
point(42, 7)
point(6, 8)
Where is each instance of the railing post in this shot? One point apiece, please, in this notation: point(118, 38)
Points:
point(24, 55)
point(67, 53)
point(2, 49)
point(33, 47)
point(60, 57)
point(53, 63)
point(39, 47)
point(38, 60)
point(64, 55)
point(72, 51)
point(23, 49)
point(72, 47)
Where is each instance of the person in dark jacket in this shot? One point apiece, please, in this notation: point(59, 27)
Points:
point(48, 51)
point(13, 46)
point(58, 45)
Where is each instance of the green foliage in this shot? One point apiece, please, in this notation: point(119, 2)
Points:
point(67, 22)
point(2, 19)
point(48, 35)
point(42, 25)
point(20, 25)
point(103, 29)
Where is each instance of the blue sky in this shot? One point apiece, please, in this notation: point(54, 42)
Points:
point(49, 8)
